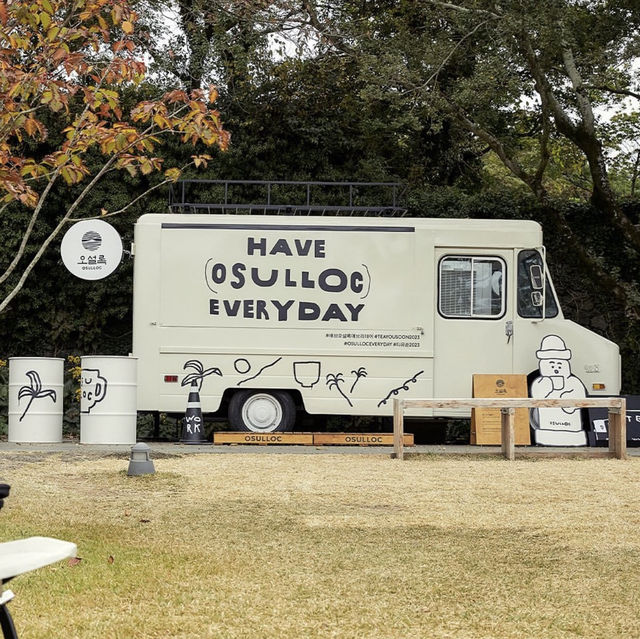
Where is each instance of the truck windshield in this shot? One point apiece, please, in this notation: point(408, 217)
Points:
point(530, 293)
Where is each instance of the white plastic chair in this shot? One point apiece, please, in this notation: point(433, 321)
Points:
point(25, 555)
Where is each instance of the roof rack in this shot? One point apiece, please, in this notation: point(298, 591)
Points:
point(261, 197)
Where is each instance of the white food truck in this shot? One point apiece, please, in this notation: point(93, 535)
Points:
point(268, 315)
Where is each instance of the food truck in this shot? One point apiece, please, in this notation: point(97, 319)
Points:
point(269, 315)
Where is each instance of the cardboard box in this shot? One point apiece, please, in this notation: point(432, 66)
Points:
point(485, 422)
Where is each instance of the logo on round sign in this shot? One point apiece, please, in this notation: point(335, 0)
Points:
point(91, 249)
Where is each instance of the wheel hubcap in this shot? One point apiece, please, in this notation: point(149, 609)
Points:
point(262, 413)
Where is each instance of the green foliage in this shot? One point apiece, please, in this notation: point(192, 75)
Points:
point(623, 143)
point(56, 313)
point(384, 92)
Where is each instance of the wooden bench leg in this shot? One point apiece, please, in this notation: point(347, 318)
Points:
point(507, 420)
point(618, 431)
point(398, 429)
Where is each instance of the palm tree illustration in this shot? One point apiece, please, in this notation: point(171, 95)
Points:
point(361, 372)
point(34, 391)
point(198, 377)
point(334, 381)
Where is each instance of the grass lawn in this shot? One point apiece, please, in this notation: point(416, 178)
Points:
point(310, 546)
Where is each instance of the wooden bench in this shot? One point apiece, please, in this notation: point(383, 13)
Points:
point(617, 417)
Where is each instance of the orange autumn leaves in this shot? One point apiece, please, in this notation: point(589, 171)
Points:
point(72, 58)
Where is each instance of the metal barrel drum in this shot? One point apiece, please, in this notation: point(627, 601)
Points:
point(108, 402)
point(36, 399)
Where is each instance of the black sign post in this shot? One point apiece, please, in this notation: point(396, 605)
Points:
point(598, 433)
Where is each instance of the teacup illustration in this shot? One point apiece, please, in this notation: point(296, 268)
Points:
point(557, 381)
point(94, 389)
point(306, 373)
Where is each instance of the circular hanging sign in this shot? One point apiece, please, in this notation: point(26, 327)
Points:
point(91, 249)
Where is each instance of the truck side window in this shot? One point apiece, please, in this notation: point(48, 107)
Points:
point(530, 272)
point(471, 287)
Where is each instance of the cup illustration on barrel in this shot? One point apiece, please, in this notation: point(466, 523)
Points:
point(307, 374)
point(94, 389)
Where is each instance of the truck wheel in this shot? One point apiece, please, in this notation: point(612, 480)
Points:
point(262, 411)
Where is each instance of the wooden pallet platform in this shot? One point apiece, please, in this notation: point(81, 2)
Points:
point(358, 439)
point(263, 438)
point(309, 439)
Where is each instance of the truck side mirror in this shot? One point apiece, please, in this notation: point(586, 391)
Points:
point(536, 298)
point(536, 276)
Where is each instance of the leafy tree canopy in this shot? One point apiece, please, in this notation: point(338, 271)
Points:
point(73, 60)
point(527, 82)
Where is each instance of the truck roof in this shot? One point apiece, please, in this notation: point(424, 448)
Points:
point(447, 231)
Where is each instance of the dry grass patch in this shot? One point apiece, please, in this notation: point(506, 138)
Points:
point(330, 546)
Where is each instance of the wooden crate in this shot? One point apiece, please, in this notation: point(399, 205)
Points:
point(485, 422)
point(358, 439)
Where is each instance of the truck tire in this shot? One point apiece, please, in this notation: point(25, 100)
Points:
point(259, 411)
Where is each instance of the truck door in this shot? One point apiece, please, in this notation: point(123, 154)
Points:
point(473, 318)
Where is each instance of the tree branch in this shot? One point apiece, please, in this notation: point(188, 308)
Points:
point(608, 89)
point(23, 278)
point(322, 29)
point(619, 289)
point(584, 104)
point(545, 154)
point(27, 234)
point(583, 135)
point(130, 204)
point(634, 177)
point(43, 196)
point(543, 88)
point(497, 147)
point(65, 219)
point(456, 7)
point(449, 55)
